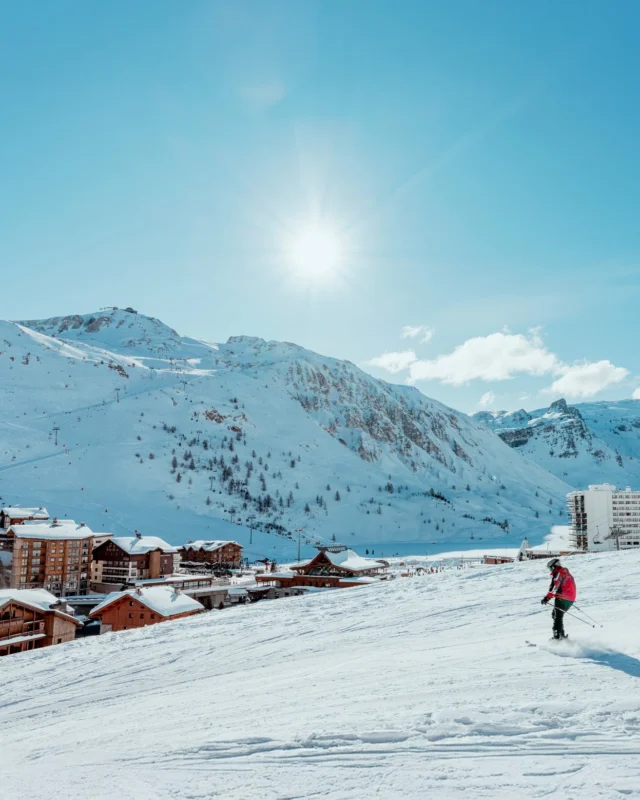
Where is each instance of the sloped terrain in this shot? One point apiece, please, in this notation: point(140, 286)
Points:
point(419, 688)
point(582, 444)
point(189, 440)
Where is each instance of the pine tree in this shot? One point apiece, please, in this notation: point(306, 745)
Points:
point(337, 495)
point(174, 463)
point(178, 478)
point(306, 508)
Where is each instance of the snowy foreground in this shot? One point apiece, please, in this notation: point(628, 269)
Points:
point(419, 688)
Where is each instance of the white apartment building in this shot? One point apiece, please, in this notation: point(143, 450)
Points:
point(604, 518)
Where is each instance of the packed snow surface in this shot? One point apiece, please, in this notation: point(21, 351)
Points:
point(417, 688)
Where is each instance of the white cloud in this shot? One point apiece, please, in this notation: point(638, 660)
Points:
point(487, 400)
point(411, 331)
point(587, 378)
point(636, 394)
point(496, 357)
point(394, 362)
point(501, 356)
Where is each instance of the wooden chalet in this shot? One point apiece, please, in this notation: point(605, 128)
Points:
point(225, 554)
point(332, 568)
point(34, 618)
point(121, 559)
point(135, 608)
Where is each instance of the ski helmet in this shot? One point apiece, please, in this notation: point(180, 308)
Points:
point(555, 562)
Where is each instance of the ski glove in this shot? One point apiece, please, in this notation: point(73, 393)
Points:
point(544, 601)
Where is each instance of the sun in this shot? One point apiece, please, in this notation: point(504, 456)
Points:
point(315, 253)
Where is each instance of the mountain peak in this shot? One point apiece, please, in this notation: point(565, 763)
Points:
point(120, 329)
point(559, 405)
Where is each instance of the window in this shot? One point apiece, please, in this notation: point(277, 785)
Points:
point(130, 616)
point(141, 616)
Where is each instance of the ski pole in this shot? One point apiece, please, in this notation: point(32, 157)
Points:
point(576, 617)
point(599, 624)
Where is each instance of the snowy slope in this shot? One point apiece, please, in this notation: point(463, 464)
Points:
point(257, 429)
point(419, 688)
point(582, 444)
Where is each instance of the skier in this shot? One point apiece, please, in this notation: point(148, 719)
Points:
point(563, 589)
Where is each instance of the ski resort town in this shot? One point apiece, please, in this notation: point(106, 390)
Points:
point(59, 580)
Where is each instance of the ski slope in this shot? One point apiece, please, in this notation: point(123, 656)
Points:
point(418, 688)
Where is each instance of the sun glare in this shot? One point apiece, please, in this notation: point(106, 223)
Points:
point(315, 253)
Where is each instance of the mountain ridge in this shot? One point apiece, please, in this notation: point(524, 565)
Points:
point(197, 436)
point(586, 443)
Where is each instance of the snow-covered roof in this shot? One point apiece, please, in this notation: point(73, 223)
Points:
point(208, 546)
point(349, 560)
point(19, 639)
point(60, 529)
point(139, 545)
point(16, 512)
point(35, 598)
point(39, 598)
point(161, 599)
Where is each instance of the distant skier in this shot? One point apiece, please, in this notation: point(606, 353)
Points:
point(563, 589)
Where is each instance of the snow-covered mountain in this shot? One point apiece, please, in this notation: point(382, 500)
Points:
point(187, 439)
point(582, 444)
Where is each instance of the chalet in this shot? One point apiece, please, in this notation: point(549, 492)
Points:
point(122, 559)
point(207, 589)
point(34, 618)
point(332, 568)
point(135, 608)
point(55, 556)
point(227, 555)
point(13, 515)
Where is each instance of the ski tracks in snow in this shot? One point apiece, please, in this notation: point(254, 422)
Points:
point(418, 688)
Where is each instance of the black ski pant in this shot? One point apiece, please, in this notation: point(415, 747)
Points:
point(558, 616)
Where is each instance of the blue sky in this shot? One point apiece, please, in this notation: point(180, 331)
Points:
point(474, 163)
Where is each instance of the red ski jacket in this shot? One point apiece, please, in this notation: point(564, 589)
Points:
point(562, 585)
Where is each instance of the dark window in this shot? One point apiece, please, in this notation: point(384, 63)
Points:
point(130, 616)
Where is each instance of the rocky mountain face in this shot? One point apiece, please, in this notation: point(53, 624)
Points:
point(189, 439)
point(583, 444)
